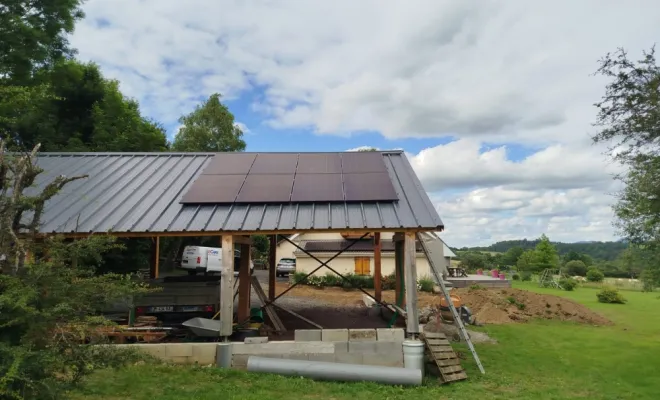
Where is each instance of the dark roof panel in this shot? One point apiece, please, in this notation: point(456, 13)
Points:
point(275, 163)
point(214, 189)
point(142, 192)
point(362, 162)
point(317, 188)
point(376, 186)
point(230, 163)
point(266, 189)
point(319, 163)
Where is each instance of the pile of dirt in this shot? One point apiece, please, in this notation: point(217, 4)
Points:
point(503, 306)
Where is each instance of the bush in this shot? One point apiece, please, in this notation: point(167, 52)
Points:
point(332, 280)
point(526, 276)
point(575, 268)
point(515, 277)
point(299, 277)
point(426, 284)
point(595, 275)
point(568, 284)
point(388, 282)
point(609, 295)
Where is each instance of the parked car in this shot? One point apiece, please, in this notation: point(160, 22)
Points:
point(208, 260)
point(285, 267)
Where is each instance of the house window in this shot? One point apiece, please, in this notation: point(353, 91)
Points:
point(362, 266)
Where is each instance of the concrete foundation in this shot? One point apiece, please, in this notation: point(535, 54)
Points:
point(382, 347)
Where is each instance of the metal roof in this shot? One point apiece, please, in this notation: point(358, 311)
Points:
point(140, 193)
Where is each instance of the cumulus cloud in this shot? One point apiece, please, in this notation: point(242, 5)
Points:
point(484, 74)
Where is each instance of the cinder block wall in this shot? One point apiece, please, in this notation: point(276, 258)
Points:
point(382, 347)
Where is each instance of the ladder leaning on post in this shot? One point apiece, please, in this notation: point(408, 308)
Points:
point(457, 318)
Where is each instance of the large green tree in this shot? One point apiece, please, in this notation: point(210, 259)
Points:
point(83, 112)
point(629, 120)
point(210, 127)
point(33, 33)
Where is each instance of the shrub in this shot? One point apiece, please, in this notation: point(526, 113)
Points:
point(476, 286)
point(515, 277)
point(388, 282)
point(332, 280)
point(610, 295)
point(426, 284)
point(575, 268)
point(316, 281)
point(526, 276)
point(299, 277)
point(595, 275)
point(568, 284)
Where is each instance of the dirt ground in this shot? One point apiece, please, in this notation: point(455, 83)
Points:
point(489, 306)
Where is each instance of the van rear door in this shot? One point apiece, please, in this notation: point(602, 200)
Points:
point(192, 258)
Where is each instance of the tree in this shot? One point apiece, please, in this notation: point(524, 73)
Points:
point(595, 275)
point(51, 303)
point(512, 255)
point(629, 120)
point(546, 254)
point(82, 111)
point(575, 268)
point(527, 261)
point(363, 149)
point(34, 33)
point(210, 127)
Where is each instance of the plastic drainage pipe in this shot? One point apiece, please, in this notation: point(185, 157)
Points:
point(335, 371)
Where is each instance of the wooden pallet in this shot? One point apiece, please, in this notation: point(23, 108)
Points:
point(440, 351)
point(270, 310)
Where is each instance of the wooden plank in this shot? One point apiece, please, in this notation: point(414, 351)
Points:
point(244, 284)
point(274, 318)
point(298, 316)
point(410, 271)
point(377, 268)
point(448, 362)
point(451, 369)
point(227, 286)
point(438, 342)
point(399, 289)
point(272, 265)
point(434, 335)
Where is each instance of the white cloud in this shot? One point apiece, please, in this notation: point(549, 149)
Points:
point(242, 127)
point(514, 72)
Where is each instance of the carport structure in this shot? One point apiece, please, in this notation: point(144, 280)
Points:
point(235, 195)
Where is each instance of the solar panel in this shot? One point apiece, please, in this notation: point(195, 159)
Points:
point(319, 163)
point(275, 163)
point(229, 163)
point(361, 162)
point(266, 189)
point(214, 189)
point(317, 187)
point(376, 186)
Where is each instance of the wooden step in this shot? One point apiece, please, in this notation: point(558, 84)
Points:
point(444, 357)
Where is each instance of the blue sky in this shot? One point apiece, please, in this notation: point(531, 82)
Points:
point(492, 101)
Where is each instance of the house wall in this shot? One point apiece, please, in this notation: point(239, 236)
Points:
point(345, 264)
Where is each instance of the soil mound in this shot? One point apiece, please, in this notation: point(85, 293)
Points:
point(503, 306)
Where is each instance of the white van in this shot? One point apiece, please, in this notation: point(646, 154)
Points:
point(208, 260)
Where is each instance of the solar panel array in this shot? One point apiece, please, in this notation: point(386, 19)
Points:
point(292, 177)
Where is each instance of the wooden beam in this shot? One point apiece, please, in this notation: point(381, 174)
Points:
point(78, 235)
point(154, 265)
point(399, 280)
point(244, 284)
point(410, 267)
point(272, 264)
point(242, 240)
point(227, 288)
point(377, 268)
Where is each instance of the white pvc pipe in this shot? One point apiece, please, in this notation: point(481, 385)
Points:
point(335, 371)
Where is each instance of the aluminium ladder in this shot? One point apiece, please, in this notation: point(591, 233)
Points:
point(457, 318)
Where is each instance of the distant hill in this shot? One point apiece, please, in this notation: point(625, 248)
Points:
point(597, 250)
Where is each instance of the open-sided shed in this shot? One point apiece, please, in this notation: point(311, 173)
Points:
point(235, 195)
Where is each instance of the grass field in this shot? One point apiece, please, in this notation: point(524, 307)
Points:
point(539, 360)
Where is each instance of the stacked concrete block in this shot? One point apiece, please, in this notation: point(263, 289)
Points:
point(307, 335)
point(334, 335)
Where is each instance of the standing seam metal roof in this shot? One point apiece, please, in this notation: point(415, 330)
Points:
point(140, 193)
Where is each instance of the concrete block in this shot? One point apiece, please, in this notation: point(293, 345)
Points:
point(389, 348)
point(334, 335)
point(349, 358)
point(180, 360)
point(341, 347)
point(390, 334)
point(256, 340)
point(203, 353)
point(321, 357)
point(384, 360)
point(361, 335)
point(362, 347)
point(178, 350)
point(307, 335)
point(155, 350)
point(283, 347)
point(239, 360)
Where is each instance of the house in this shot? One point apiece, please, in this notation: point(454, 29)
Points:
point(359, 258)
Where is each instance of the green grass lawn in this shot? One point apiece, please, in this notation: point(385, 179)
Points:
point(539, 360)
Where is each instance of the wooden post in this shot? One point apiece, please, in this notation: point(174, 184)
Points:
point(399, 281)
point(227, 288)
point(244, 283)
point(377, 270)
point(155, 258)
point(272, 265)
point(410, 266)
